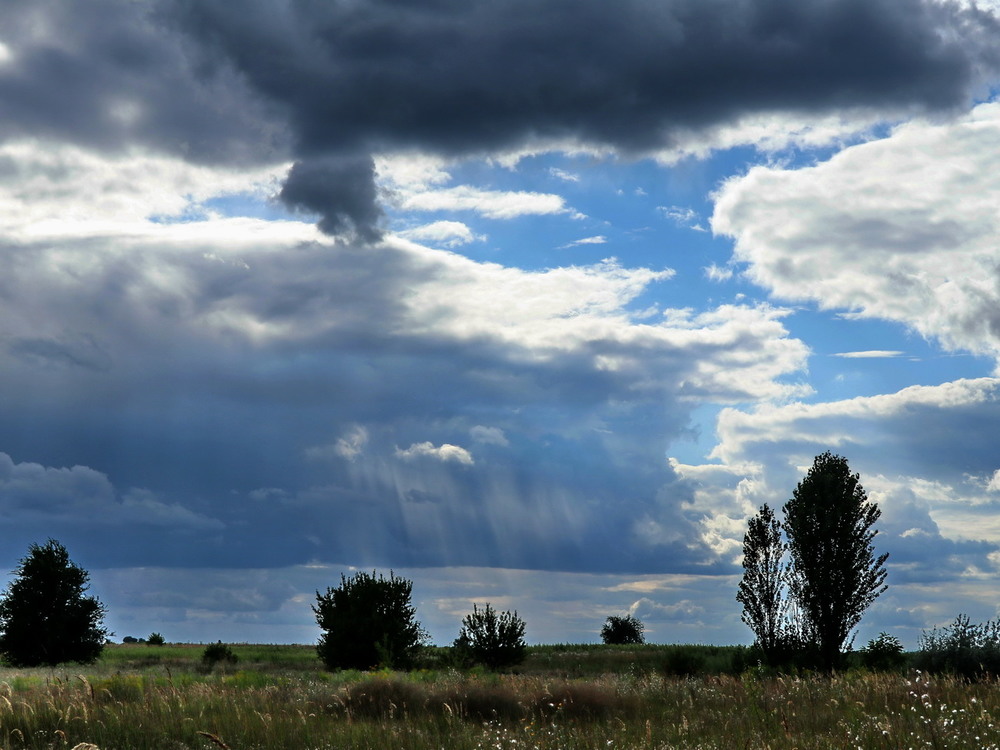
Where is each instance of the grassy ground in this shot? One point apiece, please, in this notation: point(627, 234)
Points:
point(278, 697)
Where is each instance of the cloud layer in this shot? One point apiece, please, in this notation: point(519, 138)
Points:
point(331, 84)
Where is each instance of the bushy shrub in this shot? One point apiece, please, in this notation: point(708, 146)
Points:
point(493, 639)
point(218, 652)
point(964, 648)
point(883, 654)
point(622, 631)
point(155, 639)
point(368, 622)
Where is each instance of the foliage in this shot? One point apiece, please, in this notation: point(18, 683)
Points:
point(217, 652)
point(762, 588)
point(368, 622)
point(493, 639)
point(155, 639)
point(967, 649)
point(622, 631)
point(883, 654)
point(45, 616)
point(834, 574)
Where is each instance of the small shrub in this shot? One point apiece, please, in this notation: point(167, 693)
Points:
point(622, 631)
point(217, 652)
point(883, 654)
point(155, 639)
point(493, 639)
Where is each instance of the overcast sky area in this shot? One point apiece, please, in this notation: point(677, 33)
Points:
point(533, 303)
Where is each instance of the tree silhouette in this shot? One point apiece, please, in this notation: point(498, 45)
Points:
point(762, 589)
point(835, 574)
point(368, 622)
point(45, 617)
point(622, 630)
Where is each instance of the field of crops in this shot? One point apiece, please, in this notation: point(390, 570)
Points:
point(564, 697)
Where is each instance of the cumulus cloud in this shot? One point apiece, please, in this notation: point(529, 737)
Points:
point(903, 228)
point(445, 453)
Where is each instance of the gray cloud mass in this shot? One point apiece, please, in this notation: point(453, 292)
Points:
point(337, 82)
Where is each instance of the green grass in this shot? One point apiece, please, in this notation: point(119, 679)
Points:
point(279, 697)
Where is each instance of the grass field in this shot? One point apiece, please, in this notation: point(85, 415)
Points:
point(279, 697)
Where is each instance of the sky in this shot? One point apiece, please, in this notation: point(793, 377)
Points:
point(533, 303)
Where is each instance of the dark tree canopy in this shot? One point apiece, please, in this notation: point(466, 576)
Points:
point(368, 622)
point(835, 574)
point(493, 639)
point(622, 630)
point(45, 616)
point(762, 589)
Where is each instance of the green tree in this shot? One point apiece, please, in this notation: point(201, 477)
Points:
point(493, 639)
point(829, 524)
point(762, 588)
point(622, 630)
point(368, 622)
point(45, 616)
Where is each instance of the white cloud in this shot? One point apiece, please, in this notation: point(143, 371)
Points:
point(562, 174)
point(349, 446)
point(493, 204)
point(57, 190)
point(775, 131)
point(718, 273)
point(904, 228)
point(444, 233)
point(412, 171)
point(871, 354)
point(489, 435)
point(444, 453)
point(596, 240)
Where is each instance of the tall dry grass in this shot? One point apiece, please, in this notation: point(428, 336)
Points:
point(176, 707)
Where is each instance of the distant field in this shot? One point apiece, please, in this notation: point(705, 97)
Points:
point(141, 697)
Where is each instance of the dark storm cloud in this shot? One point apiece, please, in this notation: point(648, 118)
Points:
point(106, 74)
point(266, 80)
point(340, 189)
point(458, 76)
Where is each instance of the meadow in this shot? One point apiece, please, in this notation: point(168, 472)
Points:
point(277, 697)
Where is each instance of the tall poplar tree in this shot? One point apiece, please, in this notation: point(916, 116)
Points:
point(829, 524)
point(762, 589)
